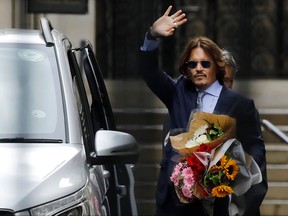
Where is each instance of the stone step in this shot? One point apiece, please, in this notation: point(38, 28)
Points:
point(146, 207)
point(277, 153)
point(277, 190)
point(274, 208)
point(145, 190)
point(276, 116)
point(271, 138)
point(150, 153)
point(277, 173)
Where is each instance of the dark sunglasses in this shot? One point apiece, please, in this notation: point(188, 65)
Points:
point(193, 64)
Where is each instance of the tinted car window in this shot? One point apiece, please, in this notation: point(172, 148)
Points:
point(30, 95)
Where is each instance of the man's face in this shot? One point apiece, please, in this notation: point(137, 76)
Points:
point(201, 69)
point(228, 78)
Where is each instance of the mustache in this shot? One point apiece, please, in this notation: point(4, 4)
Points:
point(199, 74)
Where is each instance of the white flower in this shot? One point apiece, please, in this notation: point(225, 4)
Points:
point(191, 143)
point(199, 137)
point(201, 130)
point(202, 139)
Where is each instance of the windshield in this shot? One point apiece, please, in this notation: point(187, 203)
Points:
point(30, 95)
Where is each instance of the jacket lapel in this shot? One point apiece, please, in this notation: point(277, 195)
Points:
point(224, 102)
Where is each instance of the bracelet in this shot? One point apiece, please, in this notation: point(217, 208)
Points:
point(150, 36)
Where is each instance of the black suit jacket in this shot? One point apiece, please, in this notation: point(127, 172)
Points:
point(179, 96)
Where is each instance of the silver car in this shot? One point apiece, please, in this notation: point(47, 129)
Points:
point(60, 153)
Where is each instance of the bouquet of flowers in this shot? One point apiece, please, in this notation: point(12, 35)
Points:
point(212, 163)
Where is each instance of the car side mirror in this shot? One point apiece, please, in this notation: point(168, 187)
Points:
point(114, 147)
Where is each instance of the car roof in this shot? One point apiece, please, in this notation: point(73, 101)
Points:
point(21, 36)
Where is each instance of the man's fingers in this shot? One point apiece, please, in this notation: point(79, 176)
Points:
point(176, 15)
point(180, 17)
point(179, 23)
point(168, 11)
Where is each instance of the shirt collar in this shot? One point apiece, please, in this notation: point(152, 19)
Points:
point(214, 89)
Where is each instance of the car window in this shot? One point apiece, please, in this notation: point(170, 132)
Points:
point(30, 96)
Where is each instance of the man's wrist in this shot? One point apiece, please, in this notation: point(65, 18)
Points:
point(151, 36)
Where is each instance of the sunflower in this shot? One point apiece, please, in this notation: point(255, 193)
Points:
point(223, 160)
point(220, 164)
point(221, 191)
point(231, 169)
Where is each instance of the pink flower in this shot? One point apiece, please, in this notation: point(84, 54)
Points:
point(189, 180)
point(187, 171)
point(179, 166)
point(175, 178)
point(188, 175)
point(186, 190)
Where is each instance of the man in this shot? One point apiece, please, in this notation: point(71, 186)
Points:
point(239, 205)
point(231, 68)
point(202, 67)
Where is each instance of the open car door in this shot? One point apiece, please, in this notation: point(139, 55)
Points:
point(103, 119)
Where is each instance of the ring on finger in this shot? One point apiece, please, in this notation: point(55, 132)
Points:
point(175, 24)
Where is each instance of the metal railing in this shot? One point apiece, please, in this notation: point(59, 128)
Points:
point(274, 130)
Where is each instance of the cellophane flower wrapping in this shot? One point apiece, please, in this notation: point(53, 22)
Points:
point(212, 167)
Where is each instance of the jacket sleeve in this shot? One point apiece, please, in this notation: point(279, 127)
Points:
point(160, 83)
point(250, 135)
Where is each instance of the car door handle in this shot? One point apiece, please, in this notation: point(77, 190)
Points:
point(106, 174)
